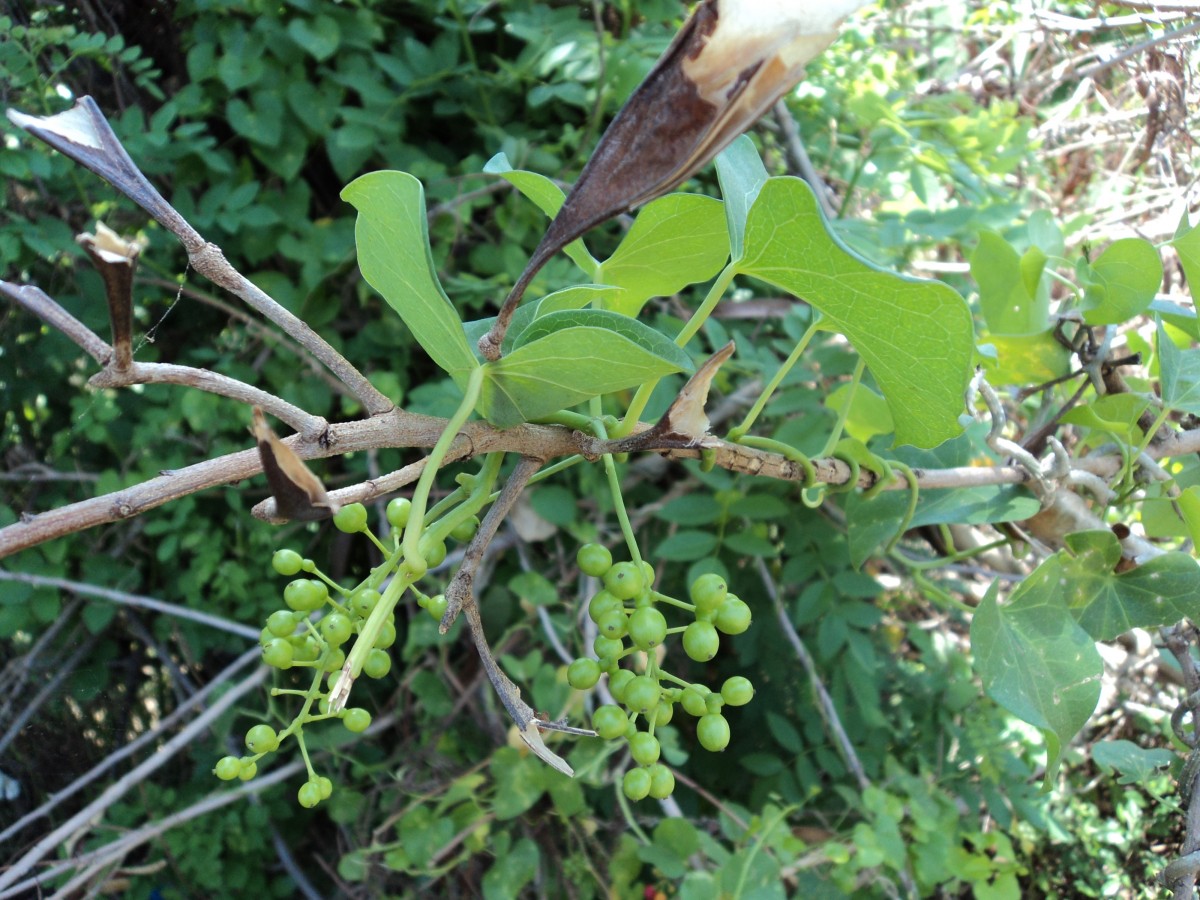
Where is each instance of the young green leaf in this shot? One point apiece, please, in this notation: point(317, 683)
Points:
point(915, 335)
point(568, 357)
point(577, 297)
point(1035, 660)
point(395, 259)
point(741, 174)
point(546, 196)
point(1123, 281)
point(1011, 294)
point(676, 240)
point(1180, 372)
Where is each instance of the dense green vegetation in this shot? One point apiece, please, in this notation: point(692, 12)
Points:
point(891, 746)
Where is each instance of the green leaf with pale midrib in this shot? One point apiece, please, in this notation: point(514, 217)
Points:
point(916, 335)
point(394, 256)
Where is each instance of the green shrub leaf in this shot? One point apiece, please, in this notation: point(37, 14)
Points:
point(1122, 282)
point(395, 259)
point(916, 335)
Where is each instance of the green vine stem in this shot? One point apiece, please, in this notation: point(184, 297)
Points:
point(844, 413)
point(736, 434)
point(614, 486)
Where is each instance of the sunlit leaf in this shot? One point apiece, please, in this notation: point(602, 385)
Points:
point(1180, 371)
point(1123, 282)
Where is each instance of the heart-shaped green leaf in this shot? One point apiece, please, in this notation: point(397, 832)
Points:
point(916, 335)
point(1180, 371)
point(1123, 282)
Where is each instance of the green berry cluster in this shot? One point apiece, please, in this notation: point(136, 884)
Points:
point(627, 616)
point(319, 621)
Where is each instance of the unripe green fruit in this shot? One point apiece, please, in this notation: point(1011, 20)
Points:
point(327, 787)
point(610, 722)
point(336, 628)
point(278, 653)
point(641, 694)
point(733, 616)
point(608, 648)
point(364, 601)
point(377, 664)
point(583, 674)
point(398, 510)
point(636, 784)
point(737, 691)
point(387, 635)
point(334, 660)
point(713, 732)
point(351, 518)
point(647, 574)
point(356, 720)
point(708, 591)
point(662, 782)
point(464, 531)
point(436, 607)
point(624, 580)
point(305, 648)
point(701, 641)
point(287, 562)
point(613, 624)
point(305, 594)
point(281, 623)
point(664, 714)
point(228, 768)
point(644, 748)
point(433, 549)
point(647, 628)
point(593, 560)
point(261, 739)
point(601, 604)
point(617, 684)
point(692, 700)
point(249, 770)
point(309, 794)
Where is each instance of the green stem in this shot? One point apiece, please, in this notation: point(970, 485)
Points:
point(420, 498)
point(770, 389)
point(614, 487)
point(844, 412)
point(638, 405)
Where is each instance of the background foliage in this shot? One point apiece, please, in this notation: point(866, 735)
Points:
point(932, 124)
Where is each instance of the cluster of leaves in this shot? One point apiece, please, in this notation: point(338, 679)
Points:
point(254, 149)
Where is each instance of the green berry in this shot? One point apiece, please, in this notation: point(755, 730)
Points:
point(664, 714)
point(249, 770)
point(397, 511)
point(737, 691)
point(641, 694)
point(464, 531)
point(377, 664)
point(364, 601)
point(436, 607)
point(305, 648)
point(593, 560)
point(647, 574)
point(265, 636)
point(583, 674)
point(701, 641)
point(336, 628)
point(624, 580)
point(618, 682)
point(714, 702)
point(613, 624)
point(733, 616)
point(261, 739)
point(335, 658)
point(662, 782)
point(607, 648)
point(713, 732)
point(610, 722)
point(287, 562)
point(281, 623)
point(387, 635)
point(356, 720)
point(433, 549)
point(692, 700)
point(601, 604)
point(228, 768)
point(351, 518)
point(305, 594)
point(636, 784)
point(309, 794)
point(327, 787)
point(708, 591)
point(278, 653)
point(647, 628)
point(644, 748)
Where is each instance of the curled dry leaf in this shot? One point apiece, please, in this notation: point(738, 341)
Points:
point(299, 494)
